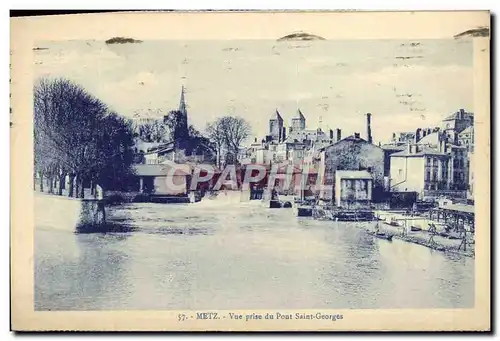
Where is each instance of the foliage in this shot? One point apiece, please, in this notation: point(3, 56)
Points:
point(228, 133)
point(76, 134)
point(176, 121)
point(151, 128)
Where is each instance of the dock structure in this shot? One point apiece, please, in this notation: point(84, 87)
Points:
point(457, 215)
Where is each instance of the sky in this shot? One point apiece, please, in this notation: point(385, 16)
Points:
point(404, 84)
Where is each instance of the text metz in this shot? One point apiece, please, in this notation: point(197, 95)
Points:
point(207, 316)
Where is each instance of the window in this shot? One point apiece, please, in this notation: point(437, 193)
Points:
point(363, 185)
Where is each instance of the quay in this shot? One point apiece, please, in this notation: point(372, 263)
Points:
point(452, 231)
point(70, 214)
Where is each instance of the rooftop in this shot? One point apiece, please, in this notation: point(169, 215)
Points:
point(164, 169)
point(353, 174)
point(430, 139)
point(459, 208)
point(423, 150)
point(468, 130)
point(298, 116)
point(391, 146)
point(276, 116)
point(352, 138)
point(456, 115)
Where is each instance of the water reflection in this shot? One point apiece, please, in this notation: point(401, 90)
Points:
point(240, 257)
point(71, 274)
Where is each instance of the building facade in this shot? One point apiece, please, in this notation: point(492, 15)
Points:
point(351, 153)
point(466, 138)
point(353, 189)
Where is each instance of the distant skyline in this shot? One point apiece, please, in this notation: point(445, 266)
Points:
point(404, 84)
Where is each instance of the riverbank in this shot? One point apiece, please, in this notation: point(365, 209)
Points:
point(423, 237)
point(450, 242)
point(70, 214)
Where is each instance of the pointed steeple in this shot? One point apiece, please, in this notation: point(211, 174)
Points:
point(182, 104)
point(299, 115)
point(277, 116)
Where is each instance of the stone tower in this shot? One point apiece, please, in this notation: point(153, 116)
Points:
point(182, 103)
point(276, 126)
point(298, 122)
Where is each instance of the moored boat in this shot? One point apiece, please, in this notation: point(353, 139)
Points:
point(304, 211)
point(382, 235)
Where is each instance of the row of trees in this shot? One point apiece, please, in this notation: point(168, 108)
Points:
point(77, 136)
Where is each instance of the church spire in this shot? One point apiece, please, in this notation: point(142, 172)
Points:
point(182, 104)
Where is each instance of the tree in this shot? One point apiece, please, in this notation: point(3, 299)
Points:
point(176, 122)
point(216, 135)
point(151, 128)
point(228, 133)
point(200, 145)
point(76, 135)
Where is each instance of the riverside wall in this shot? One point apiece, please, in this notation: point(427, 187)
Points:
point(70, 214)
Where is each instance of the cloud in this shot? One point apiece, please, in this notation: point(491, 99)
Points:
point(122, 40)
point(300, 36)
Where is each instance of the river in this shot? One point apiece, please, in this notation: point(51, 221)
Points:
point(240, 256)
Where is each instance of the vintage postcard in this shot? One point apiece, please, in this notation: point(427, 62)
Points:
point(239, 171)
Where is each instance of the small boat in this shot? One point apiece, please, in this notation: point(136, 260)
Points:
point(274, 204)
point(381, 235)
point(304, 211)
point(415, 229)
point(393, 222)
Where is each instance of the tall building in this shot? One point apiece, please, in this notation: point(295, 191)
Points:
point(455, 123)
point(276, 126)
point(182, 103)
point(466, 138)
point(298, 122)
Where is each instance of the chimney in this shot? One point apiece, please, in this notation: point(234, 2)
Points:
point(429, 131)
point(408, 147)
point(331, 134)
point(255, 140)
point(417, 135)
point(369, 127)
point(424, 133)
point(339, 135)
point(356, 135)
point(462, 114)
